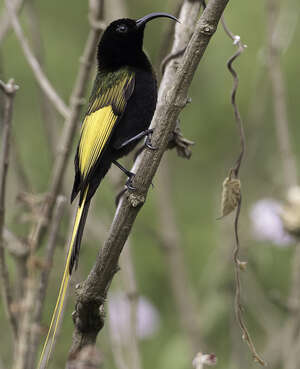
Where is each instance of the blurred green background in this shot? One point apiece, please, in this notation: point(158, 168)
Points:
point(195, 184)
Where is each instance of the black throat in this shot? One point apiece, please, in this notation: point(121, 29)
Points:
point(113, 54)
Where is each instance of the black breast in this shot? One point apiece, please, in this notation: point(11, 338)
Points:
point(138, 113)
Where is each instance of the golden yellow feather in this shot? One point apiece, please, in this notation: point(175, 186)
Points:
point(99, 122)
point(44, 358)
point(95, 132)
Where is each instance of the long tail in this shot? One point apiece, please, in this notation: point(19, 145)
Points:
point(72, 260)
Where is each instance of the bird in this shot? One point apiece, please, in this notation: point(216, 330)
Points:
point(119, 113)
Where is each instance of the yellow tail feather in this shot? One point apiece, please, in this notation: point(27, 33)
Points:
point(44, 358)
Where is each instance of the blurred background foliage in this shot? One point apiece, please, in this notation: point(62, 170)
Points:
point(195, 185)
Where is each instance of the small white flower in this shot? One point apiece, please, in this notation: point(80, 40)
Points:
point(267, 223)
point(204, 359)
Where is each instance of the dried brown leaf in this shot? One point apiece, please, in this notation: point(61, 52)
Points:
point(231, 195)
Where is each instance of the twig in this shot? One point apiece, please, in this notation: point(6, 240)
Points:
point(5, 22)
point(35, 66)
point(47, 267)
point(170, 57)
point(236, 41)
point(180, 285)
point(167, 39)
point(172, 99)
point(130, 356)
point(291, 336)
point(22, 177)
point(289, 165)
point(49, 114)
point(9, 90)
point(180, 143)
point(238, 306)
point(235, 172)
point(130, 287)
point(181, 41)
point(14, 245)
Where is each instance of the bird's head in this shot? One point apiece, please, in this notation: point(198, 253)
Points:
point(122, 41)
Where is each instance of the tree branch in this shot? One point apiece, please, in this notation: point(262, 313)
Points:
point(5, 22)
point(172, 98)
point(35, 66)
point(130, 287)
point(14, 245)
point(49, 115)
point(42, 288)
point(9, 90)
point(183, 293)
point(289, 166)
point(289, 347)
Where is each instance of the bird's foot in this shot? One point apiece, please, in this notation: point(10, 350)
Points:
point(148, 141)
point(147, 144)
point(128, 186)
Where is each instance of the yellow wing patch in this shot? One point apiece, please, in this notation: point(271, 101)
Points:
point(95, 132)
point(99, 122)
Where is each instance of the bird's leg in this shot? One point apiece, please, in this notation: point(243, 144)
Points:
point(129, 174)
point(147, 133)
point(146, 144)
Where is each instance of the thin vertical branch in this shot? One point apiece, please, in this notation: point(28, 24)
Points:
point(5, 22)
point(181, 287)
point(17, 164)
point(234, 172)
point(289, 348)
point(9, 90)
point(44, 278)
point(49, 115)
point(130, 287)
point(279, 97)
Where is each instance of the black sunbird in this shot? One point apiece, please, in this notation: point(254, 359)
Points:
point(120, 110)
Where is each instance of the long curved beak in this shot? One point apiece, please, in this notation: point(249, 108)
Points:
point(140, 22)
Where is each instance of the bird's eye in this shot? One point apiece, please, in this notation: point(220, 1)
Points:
point(122, 28)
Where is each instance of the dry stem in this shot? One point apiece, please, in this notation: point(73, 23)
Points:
point(5, 22)
point(177, 272)
point(235, 172)
point(279, 98)
point(35, 66)
point(9, 90)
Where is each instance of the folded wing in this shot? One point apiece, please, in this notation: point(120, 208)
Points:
point(107, 105)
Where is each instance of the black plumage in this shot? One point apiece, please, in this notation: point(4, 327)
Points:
point(120, 58)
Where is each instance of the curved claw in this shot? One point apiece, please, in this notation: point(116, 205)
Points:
point(148, 142)
point(129, 184)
